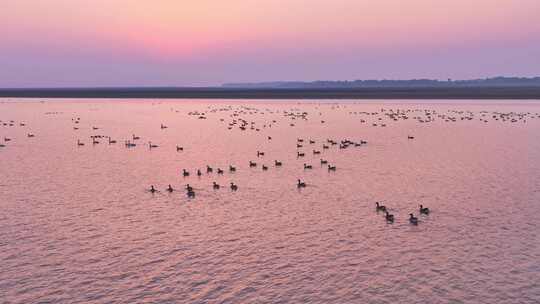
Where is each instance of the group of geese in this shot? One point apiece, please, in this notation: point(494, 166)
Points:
point(12, 123)
point(190, 191)
point(390, 217)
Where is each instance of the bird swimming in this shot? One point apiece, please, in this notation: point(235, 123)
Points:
point(424, 210)
point(412, 219)
point(380, 207)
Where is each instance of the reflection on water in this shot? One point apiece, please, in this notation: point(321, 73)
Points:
point(78, 224)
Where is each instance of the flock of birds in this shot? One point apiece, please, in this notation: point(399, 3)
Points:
point(244, 118)
point(390, 217)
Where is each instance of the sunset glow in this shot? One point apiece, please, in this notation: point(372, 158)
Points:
point(166, 42)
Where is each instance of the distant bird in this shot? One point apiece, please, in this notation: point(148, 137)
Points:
point(163, 126)
point(298, 154)
point(300, 184)
point(79, 143)
point(232, 169)
point(216, 186)
point(316, 152)
point(306, 166)
point(189, 188)
point(277, 163)
point(170, 188)
point(412, 219)
point(7, 139)
point(30, 135)
point(410, 137)
point(111, 141)
point(331, 168)
point(259, 153)
point(424, 210)
point(191, 193)
point(380, 207)
point(135, 137)
point(152, 189)
point(389, 217)
point(178, 148)
point(185, 172)
point(252, 164)
point(150, 145)
point(199, 173)
point(219, 171)
point(234, 187)
point(209, 169)
point(264, 167)
point(324, 162)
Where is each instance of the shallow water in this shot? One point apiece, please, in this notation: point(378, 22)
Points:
point(77, 223)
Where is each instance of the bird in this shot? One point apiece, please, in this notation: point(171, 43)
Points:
point(150, 145)
point(264, 167)
point(412, 219)
point(209, 169)
point(170, 189)
point(152, 189)
point(191, 193)
point(301, 184)
point(324, 162)
point(389, 217)
point(298, 154)
point(306, 166)
point(178, 148)
point(252, 164)
point(189, 188)
point(232, 169)
point(234, 187)
point(185, 172)
point(331, 168)
point(216, 186)
point(410, 137)
point(111, 141)
point(259, 153)
point(316, 152)
point(277, 163)
point(380, 207)
point(219, 171)
point(424, 210)
point(135, 137)
point(199, 173)
point(30, 135)
point(79, 143)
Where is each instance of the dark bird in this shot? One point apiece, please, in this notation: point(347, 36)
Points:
point(277, 163)
point(389, 217)
point(412, 219)
point(380, 207)
point(234, 187)
point(301, 184)
point(424, 210)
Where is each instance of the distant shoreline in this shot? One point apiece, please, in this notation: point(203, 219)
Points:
point(530, 93)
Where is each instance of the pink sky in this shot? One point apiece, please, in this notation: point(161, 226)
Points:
point(203, 42)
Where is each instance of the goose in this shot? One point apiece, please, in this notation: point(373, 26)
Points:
point(331, 168)
point(178, 148)
point(170, 188)
point(259, 153)
point(306, 166)
point(150, 145)
point(216, 186)
point(31, 135)
point(189, 188)
point(252, 164)
point(298, 154)
point(135, 137)
point(311, 141)
point(209, 169)
point(191, 193)
point(424, 210)
point(410, 137)
point(325, 147)
point(380, 207)
point(316, 152)
point(299, 140)
point(277, 163)
point(152, 189)
point(199, 173)
point(185, 172)
point(264, 167)
point(301, 184)
point(232, 169)
point(7, 139)
point(413, 220)
point(219, 171)
point(299, 146)
point(163, 126)
point(324, 162)
point(79, 143)
point(234, 187)
point(111, 141)
point(389, 217)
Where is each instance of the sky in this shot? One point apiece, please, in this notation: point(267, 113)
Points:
point(74, 43)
